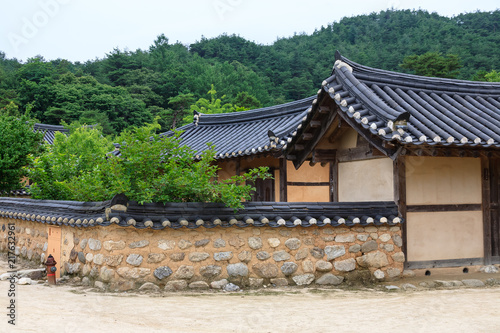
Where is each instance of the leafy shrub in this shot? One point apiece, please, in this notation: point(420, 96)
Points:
point(150, 168)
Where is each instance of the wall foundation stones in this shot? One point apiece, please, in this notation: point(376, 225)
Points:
point(127, 258)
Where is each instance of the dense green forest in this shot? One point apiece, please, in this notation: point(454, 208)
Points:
point(227, 73)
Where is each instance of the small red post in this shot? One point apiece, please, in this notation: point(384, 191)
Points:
point(51, 269)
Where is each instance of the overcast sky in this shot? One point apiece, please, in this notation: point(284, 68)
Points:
point(80, 30)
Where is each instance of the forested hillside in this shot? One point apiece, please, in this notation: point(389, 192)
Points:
point(132, 87)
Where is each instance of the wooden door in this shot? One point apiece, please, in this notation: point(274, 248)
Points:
point(54, 248)
point(494, 211)
point(264, 190)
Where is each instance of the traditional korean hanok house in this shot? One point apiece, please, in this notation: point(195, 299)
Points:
point(49, 134)
point(242, 141)
point(430, 144)
point(49, 131)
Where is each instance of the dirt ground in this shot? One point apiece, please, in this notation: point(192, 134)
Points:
point(67, 308)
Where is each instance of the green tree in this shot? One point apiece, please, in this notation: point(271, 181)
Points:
point(69, 157)
point(245, 101)
point(17, 142)
point(150, 168)
point(433, 64)
point(213, 106)
point(492, 76)
point(10, 109)
point(181, 105)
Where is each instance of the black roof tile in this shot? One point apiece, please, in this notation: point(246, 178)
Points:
point(49, 131)
point(194, 215)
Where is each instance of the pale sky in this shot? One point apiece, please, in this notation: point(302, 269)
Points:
point(80, 30)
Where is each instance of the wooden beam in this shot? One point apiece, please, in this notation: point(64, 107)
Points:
point(324, 109)
point(334, 171)
point(308, 183)
point(399, 166)
point(486, 198)
point(323, 155)
point(445, 263)
point(307, 136)
point(283, 180)
point(314, 139)
point(357, 154)
point(315, 123)
point(443, 208)
point(238, 171)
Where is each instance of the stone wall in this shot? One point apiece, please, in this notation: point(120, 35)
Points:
point(124, 258)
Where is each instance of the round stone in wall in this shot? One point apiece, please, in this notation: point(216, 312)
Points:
point(255, 243)
point(154, 258)
point(329, 279)
point(281, 255)
point(379, 275)
point(113, 260)
point(202, 242)
point(263, 255)
point(266, 270)
point(112, 245)
point(334, 251)
point(134, 259)
point(178, 256)
point(98, 259)
point(184, 244)
point(369, 246)
point(210, 271)
point(184, 272)
point(165, 244)
point(317, 252)
point(323, 266)
point(288, 268)
point(273, 242)
point(162, 272)
point(304, 279)
point(139, 244)
point(94, 244)
point(198, 256)
point(385, 237)
point(398, 241)
point(355, 248)
point(219, 242)
point(245, 256)
point(292, 243)
point(301, 254)
point(222, 256)
point(238, 269)
point(81, 257)
point(345, 265)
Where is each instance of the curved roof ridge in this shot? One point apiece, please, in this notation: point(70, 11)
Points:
point(256, 114)
point(424, 82)
point(58, 128)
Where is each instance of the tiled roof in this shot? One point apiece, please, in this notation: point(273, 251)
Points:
point(406, 110)
point(439, 111)
point(193, 215)
point(242, 133)
point(49, 131)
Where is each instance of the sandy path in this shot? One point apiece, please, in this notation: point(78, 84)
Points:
point(71, 309)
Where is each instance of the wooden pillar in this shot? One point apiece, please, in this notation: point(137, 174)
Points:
point(399, 167)
point(486, 197)
point(283, 180)
point(334, 181)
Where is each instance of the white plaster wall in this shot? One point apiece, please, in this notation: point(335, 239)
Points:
point(443, 180)
point(444, 235)
point(367, 180)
